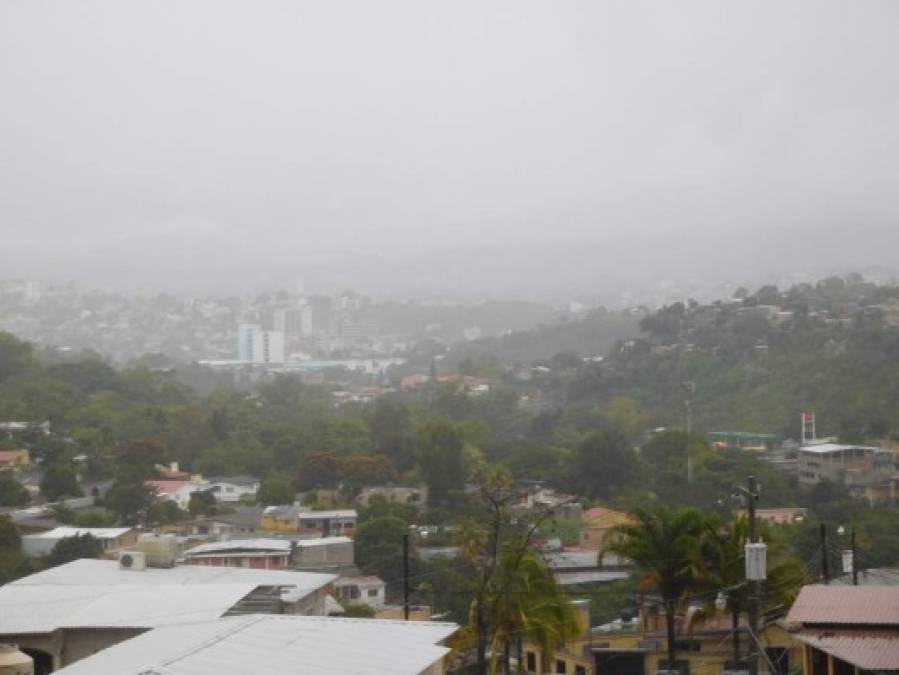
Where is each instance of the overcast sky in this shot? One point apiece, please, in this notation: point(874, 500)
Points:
point(511, 148)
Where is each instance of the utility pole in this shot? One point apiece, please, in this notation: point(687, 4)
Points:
point(825, 570)
point(690, 386)
point(752, 494)
point(854, 557)
point(406, 577)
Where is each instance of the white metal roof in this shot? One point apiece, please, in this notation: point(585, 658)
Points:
point(288, 645)
point(97, 593)
point(825, 448)
point(261, 544)
point(86, 572)
point(43, 609)
point(323, 541)
point(98, 532)
point(339, 513)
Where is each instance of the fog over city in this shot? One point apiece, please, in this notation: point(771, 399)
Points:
point(522, 149)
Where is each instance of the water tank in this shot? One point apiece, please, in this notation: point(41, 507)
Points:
point(14, 662)
point(160, 550)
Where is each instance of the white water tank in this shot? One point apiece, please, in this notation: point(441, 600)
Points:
point(160, 550)
point(14, 662)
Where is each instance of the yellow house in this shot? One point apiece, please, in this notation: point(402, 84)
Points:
point(283, 519)
point(597, 523)
point(14, 459)
point(638, 647)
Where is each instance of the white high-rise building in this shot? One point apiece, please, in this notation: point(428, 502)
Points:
point(268, 346)
point(245, 333)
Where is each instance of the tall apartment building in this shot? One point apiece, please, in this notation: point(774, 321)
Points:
point(268, 347)
point(255, 345)
point(245, 333)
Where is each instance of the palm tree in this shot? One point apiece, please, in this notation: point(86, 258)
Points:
point(663, 545)
point(527, 603)
point(724, 569)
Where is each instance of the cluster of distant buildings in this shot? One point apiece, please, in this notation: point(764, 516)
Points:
point(213, 584)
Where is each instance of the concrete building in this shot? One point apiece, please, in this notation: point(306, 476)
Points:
point(112, 539)
point(229, 489)
point(416, 495)
point(261, 554)
point(66, 613)
point(367, 590)
point(286, 645)
point(598, 522)
point(268, 347)
point(868, 472)
point(14, 459)
point(245, 333)
point(324, 554)
point(327, 523)
point(637, 646)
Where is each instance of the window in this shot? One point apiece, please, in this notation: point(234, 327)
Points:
point(561, 666)
point(531, 662)
point(580, 670)
point(373, 592)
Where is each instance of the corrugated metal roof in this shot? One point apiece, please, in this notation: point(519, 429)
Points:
point(825, 448)
point(339, 513)
point(261, 544)
point(871, 605)
point(869, 650)
point(107, 572)
point(98, 532)
point(94, 593)
point(289, 645)
point(43, 609)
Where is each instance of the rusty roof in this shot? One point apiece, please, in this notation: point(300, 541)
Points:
point(866, 649)
point(861, 605)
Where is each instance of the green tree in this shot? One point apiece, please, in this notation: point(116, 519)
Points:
point(13, 564)
point(603, 463)
point(129, 500)
point(59, 481)
point(12, 492)
point(441, 460)
point(10, 536)
point(358, 610)
point(526, 603)
point(392, 433)
point(72, 548)
point(664, 545)
point(379, 548)
point(166, 511)
point(201, 503)
point(276, 489)
point(16, 356)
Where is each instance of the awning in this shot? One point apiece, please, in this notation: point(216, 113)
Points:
point(866, 649)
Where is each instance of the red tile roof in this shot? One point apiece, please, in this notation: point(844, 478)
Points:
point(11, 455)
point(596, 512)
point(861, 605)
point(866, 649)
point(167, 486)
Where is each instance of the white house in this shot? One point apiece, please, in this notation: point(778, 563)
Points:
point(178, 491)
point(231, 488)
point(368, 590)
